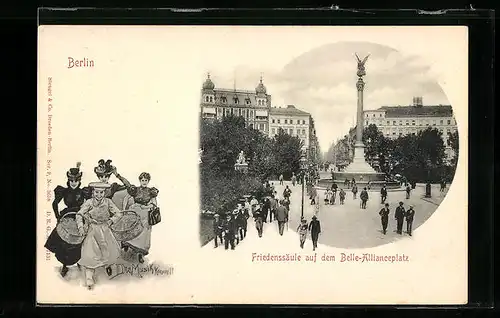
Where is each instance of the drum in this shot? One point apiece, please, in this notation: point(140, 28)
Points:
point(67, 229)
point(128, 227)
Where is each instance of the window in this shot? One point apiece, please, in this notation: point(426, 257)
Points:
point(232, 111)
point(236, 100)
point(286, 121)
point(373, 115)
point(224, 99)
point(278, 121)
point(273, 131)
point(251, 113)
point(380, 115)
point(247, 101)
point(274, 121)
point(388, 122)
point(303, 122)
point(291, 131)
point(394, 122)
point(441, 122)
point(247, 113)
point(367, 122)
point(262, 127)
point(449, 122)
point(394, 133)
point(211, 99)
point(366, 115)
point(413, 122)
point(400, 122)
point(291, 121)
point(407, 123)
point(303, 132)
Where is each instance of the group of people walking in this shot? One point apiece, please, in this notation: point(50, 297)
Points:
point(400, 214)
point(94, 213)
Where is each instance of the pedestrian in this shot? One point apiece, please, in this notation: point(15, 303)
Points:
point(327, 196)
point(354, 191)
point(408, 190)
point(399, 216)
point(266, 207)
point(217, 230)
point(281, 179)
point(364, 198)
point(281, 216)
point(253, 204)
point(259, 223)
point(334, 193)
point(302, 229)
point(315, 228)
point(409, 219)
point(273, 190)
point(236, 226)
point(294, 179)
point(342, 196)
point(314, 194)
point(287, 192)
point(369, 185)
point(384, 217)
point(272, 210)
point(229, 231)
point(383, 194)
point(248, 206)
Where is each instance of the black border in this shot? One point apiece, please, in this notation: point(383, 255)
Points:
point(21, 161)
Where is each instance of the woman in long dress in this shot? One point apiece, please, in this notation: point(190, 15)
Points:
point(99, 248)
point(144, 200)
point(73, 197)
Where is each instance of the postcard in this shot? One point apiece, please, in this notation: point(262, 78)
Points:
point(252, 165)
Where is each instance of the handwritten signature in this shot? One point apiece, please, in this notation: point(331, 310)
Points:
point(151, 269)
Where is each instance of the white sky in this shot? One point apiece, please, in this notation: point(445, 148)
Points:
point(322, 82)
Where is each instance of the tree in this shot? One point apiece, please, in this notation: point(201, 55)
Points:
point(376, 145)
point(287, 153)
point(454, 141)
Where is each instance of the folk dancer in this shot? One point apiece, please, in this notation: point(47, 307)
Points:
point(99, 248)
point(142, 201)
point(73, 197)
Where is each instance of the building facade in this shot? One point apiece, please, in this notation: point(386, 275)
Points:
point(253, 105)
point(397, 121)
point(293, 121)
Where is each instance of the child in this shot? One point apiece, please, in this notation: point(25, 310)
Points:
point(302, 229)
point(342, 196)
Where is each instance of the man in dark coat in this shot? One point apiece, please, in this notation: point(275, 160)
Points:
point(399, 216)
point(315, 229)
point(217, 229)
point(287, 192)
point(266, 208)
point(257, 215)
point(242, 218)
point(364, 198)
point(384, 217)
point(273, 205)
point(281, 216)
point(228, 228)
point(410, 214)
point(383, 194)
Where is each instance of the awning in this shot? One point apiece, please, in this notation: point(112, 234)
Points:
point(209, 110)
point(261, 113)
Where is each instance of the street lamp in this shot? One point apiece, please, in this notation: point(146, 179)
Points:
point(303, 167)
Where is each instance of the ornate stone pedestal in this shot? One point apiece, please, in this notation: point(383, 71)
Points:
point(241, 167)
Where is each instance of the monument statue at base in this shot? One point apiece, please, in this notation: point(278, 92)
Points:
point(241, 163)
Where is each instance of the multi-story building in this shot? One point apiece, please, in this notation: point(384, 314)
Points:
point(293, 121)
point(253, 105)
point(396, 121)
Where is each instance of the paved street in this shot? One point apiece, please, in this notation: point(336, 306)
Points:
point(345, 226)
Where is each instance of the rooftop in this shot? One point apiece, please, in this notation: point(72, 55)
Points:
point(417, 111)
point(288, 110)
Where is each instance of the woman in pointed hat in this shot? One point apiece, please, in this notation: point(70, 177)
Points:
point(73, 197)
point(99, 248)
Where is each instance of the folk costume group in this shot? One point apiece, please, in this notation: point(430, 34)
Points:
point(95, 213)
